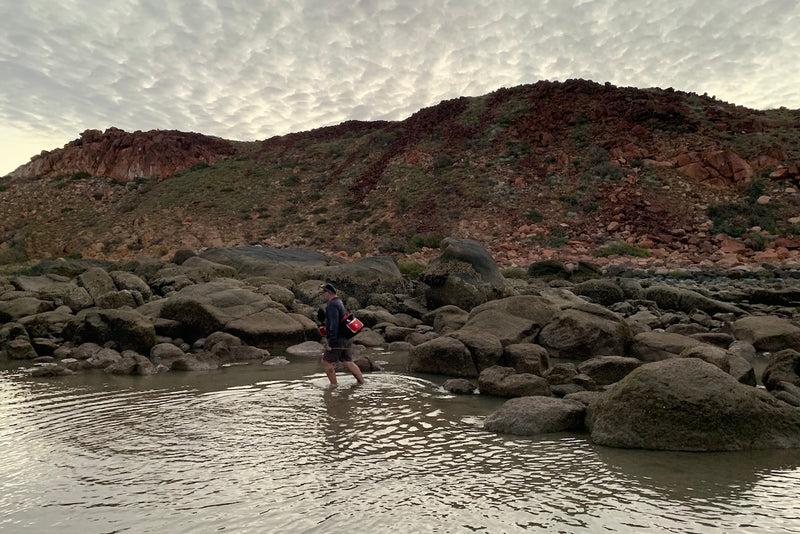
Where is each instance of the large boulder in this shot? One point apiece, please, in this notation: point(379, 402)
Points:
point(464, 275)
point(656, 346)
point(128, 281)
point(577, 334)
point(606, 370)
point(485, 347)
point(443, 356)
point(538, 309)
point(46, 324)
point(19, 349)
point(131, 363)
point(527, 416)
point(733, 364)
point(12, 310)
point(602, 291)
point(265, 261)
point(767, 333)
point(128, 329)
point(689, 405)
point(506, 382)
point(527, 358)
point(783, 366)
point(364, 277)
point(446, 318)
point(685, 300)
point(507, 328)
point(225, 305)
point(97, 282)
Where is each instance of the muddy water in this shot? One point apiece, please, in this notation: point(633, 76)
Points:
point(264, 449)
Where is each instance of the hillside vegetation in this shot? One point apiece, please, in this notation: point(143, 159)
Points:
point(573, 170)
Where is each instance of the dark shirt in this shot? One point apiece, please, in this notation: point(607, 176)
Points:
point(334, 312)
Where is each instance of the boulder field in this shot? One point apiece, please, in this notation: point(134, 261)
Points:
point(637, 359)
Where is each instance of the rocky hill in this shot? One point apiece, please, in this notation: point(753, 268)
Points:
point(573, 170)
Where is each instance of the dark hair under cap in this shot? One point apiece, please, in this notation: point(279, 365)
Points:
point(328, 287)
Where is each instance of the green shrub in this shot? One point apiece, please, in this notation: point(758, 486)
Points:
point(621, 249)
point(431, 240)
point(81, 175)
point(534, 216)
point(756, 240)
point(410, 268)
point(734, 219)
point(514, 272)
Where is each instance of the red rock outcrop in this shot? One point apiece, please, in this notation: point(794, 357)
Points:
point(718, 167)
point(125, 156)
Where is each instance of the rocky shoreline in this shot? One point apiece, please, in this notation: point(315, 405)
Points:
point(647, 357)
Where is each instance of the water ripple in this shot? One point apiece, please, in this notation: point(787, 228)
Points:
point(292, 455)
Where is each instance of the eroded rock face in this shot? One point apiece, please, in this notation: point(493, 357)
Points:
point(125, 156)
point(687, 404)
point(715, 166)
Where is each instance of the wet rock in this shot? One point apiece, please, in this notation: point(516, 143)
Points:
point(226, 306)
point(459, 386)
point(788, 393)
point(506, 327)
point(561, 373)
point(485, 348)
point(690, 405)
point(131, 363)
point(549, 269)
point(400, 346)
point(276, 361)
point(446, 319)
point(102, 358)
point(20, 349)
point(656, 346)
point(444, 356)
point(307, 348)
point(719, 339)
point(577, 334)
point(527, 416)
point(783, 367)
point(686, 300)
point(506, 382)
point(369, 338)
point(126, 281)
point(527, 358)
point(767, 333)
point(537, 309)
point(601, 291)
point(709, 353)
point(97, 282)
point(52, 323)
point(129, 329)
point(606, 370)
point(165, 353)
point(51, 369)
point(195, 362)
point(13, 310)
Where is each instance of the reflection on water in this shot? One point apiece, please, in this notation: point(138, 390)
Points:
point(257, 449)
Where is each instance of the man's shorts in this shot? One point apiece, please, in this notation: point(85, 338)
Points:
point(339, 351)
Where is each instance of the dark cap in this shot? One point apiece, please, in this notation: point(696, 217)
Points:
point(328, 288)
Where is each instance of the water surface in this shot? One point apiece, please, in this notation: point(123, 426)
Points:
point(264, 449)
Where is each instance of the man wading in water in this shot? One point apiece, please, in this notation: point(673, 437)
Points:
point(337, 349)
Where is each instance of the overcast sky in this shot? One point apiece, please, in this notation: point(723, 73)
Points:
point(248, 69)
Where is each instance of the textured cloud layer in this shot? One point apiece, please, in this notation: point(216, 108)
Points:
point(252, 69)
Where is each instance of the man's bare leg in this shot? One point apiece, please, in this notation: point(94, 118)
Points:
point(330, 370)
point(355, 371)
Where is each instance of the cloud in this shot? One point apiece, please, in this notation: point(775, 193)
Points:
point(250, 70)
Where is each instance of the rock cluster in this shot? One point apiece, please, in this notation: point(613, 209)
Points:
point(638, 360)
point(125, 156)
